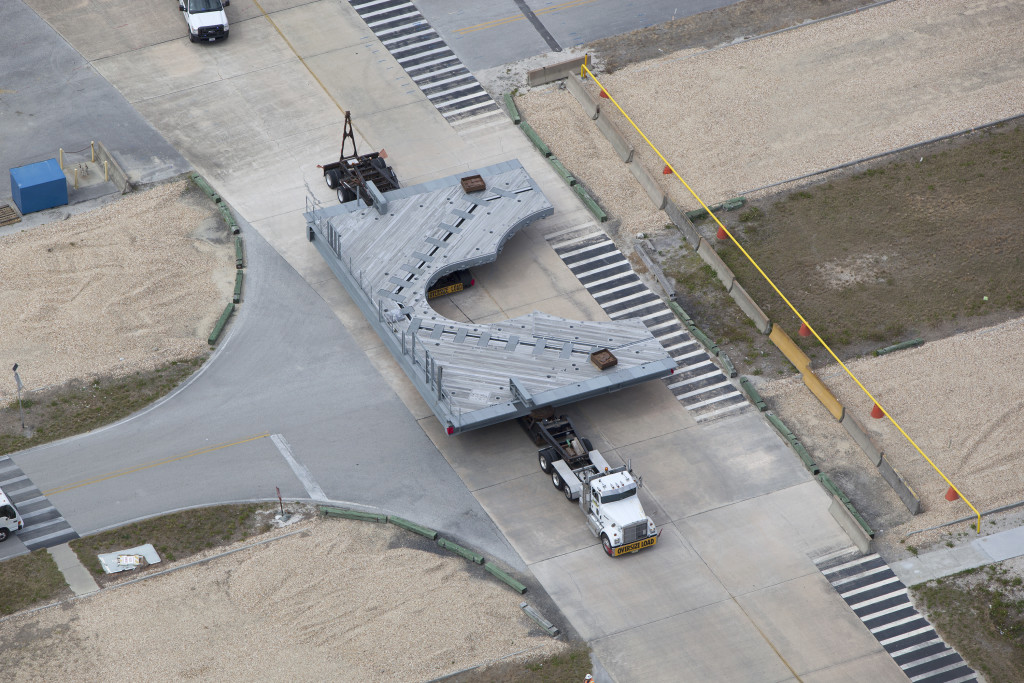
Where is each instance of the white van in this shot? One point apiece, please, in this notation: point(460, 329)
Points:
point(10, 518)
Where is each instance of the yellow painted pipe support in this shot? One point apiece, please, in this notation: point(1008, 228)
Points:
point(826, 397)
point(789, 348)
point(60, 153)
point(92, 147)
point(76, 177)
point(104, 170)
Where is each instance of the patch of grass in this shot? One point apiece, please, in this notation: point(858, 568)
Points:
point(29, 580)
point(752, 214)
point(78, 407)
point(980, 612)
point(175, 536)
point(572, 665)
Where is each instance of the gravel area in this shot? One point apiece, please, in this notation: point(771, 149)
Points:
point(345, 601)
point(758, 112)
point(958, 398)
point(743, 116)
point(125, 287)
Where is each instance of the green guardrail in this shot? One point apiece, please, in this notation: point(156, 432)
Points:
point(460, 551)
point(239, 252)
point(200, 181)
point(221, 322)
point(899, 347)
point(535, 138)
point(515, 585)
point(413, 527)
point(513, 111)
point(237, 296)
point(753, 394)
point(562, 171)
point(353, 514)
point(590, 203)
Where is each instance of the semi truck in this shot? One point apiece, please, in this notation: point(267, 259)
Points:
point(606, 495)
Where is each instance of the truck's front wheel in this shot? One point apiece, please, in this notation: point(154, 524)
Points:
point(607, 545)
point(556, 480)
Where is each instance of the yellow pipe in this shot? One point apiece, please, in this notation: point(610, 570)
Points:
point(584, 69)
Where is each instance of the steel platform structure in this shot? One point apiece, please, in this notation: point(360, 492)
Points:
point(471, 375)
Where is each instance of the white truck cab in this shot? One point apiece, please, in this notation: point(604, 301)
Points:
point(206, 19)
point(10, 518)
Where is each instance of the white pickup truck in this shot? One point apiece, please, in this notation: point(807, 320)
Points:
point(206, 19)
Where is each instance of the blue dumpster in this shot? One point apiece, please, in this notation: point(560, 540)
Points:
point(39, 186)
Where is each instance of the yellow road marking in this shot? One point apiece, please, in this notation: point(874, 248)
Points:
point(139, 468)
point(494, 23)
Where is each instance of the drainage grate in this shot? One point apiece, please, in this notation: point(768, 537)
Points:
point(8, 215)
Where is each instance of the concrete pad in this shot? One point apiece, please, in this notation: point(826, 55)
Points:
point(583, 584)
point(636, 415)
point(700, 469)
point(713, 643)
point(809, 640)
point(178, 65)
point(878, 667)
point(102, 29)
point(788, 528)
point(490, 456)
point(551, 527)
point(339, 69)
point(578, 305)
point(326, 26)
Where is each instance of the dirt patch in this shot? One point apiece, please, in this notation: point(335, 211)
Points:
point(341, 600)
point(982, 611)
point(713, 28)
point(79, 406)
point(126, 287)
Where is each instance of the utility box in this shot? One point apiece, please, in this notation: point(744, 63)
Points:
point(39, 186)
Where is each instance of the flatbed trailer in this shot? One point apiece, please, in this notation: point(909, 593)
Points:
point(351, 173)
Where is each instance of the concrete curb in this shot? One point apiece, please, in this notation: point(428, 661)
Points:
point(711, 257)
point(612, 134)
point(237, 296)
point(562, 171)
point(907, 495)
point(501, 575)
point(761, 321)
point(591, 107)
point(753, 394)
point(413, 527)
point(555, 72)
point(331, 511)
point(590, 203)
point(641, 247)
point(793, 353)
point(550, 628)
point(657, 197)
point(114, 170)
point(460, 551)
point(239, 252)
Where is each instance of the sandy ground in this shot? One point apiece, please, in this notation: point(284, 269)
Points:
point(125, 287)
point(766, 110)
point(343, 601)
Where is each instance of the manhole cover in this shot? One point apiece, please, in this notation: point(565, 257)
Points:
point(8, 215)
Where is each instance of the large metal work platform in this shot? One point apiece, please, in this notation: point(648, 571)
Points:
point(472, 375)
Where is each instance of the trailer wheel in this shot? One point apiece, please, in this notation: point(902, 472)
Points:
point(556, 480)
point(607, 545)
point(545, 462)
point(332, 180)
point(4, 533)
point(345, 194)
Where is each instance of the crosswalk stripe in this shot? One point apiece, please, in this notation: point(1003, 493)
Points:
point(929, 665)
point(455, 104)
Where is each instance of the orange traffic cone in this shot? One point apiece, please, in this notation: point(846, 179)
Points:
point(876, 412)
point(605, 95)
point(722, 234)
point(951, 494)
point(666, 170)
point(804, 330)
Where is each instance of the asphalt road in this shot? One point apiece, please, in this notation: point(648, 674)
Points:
point(488, 34)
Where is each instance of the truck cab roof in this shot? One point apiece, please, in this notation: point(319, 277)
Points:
point(614, 486)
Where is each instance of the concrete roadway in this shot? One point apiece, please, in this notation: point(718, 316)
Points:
point(730, 593)
point(488, 34)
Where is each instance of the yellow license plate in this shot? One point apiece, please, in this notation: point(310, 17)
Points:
point(450, 289)
point(636, 545)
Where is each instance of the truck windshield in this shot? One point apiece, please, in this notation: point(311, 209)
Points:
point(620, 494)
point(8, 512)
point(195, 6)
